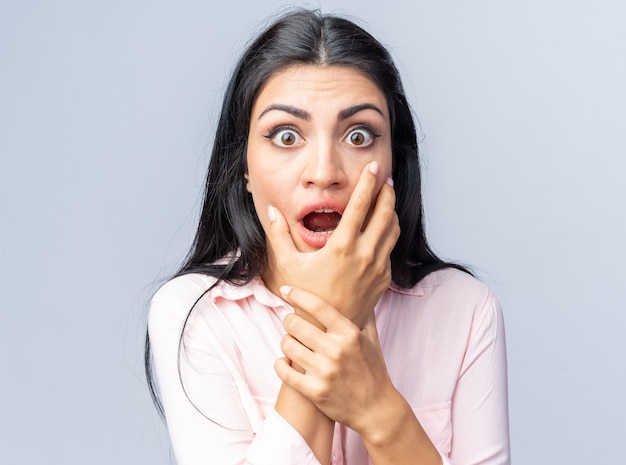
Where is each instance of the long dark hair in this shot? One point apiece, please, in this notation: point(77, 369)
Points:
point(229, 226)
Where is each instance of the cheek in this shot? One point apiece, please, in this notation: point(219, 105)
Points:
point(385, 170)
point(260, 200)
point(269, 187)
point(386, 163)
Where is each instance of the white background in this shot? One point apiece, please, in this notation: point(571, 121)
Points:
point(107, 110)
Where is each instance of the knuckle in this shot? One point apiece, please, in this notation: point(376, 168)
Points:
point(319, 392)
point(328, 372)
point(341, 245)
point(366, 256)
point(289, 322)
point(285, 343)
point(353, 336)
point(382, 270)
point(334, 354)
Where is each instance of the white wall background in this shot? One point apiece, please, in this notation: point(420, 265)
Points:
point(106, 115)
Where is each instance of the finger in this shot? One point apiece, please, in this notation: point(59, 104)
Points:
point(384, 219)
point(321, 310)
point(358, 206)
point(383, 235)
point(304, 330)
point(278, 236)
point(307, 317)
point(290, 375)
point(301, 356)
point(284, 370)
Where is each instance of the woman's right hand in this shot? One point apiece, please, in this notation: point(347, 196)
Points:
point(353, 269)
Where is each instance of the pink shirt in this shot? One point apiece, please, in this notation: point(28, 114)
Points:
point(443, 343)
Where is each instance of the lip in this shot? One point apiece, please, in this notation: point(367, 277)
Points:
point(311, 238)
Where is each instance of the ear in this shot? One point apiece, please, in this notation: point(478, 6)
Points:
point(247, 178)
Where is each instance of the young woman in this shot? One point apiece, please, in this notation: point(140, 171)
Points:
point(311, 323)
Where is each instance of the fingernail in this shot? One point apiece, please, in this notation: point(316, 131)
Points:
point(284, 290)
point(271, 213)
point(389, 181)
point(374, 167)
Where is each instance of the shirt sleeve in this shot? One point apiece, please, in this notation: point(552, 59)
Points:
point(480, 434)
point(207, 418)
point(285, 443)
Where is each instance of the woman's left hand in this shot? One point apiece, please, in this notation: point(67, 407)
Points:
point(344, 371)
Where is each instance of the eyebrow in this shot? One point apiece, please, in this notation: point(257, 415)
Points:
point(306, 116)
point(297, 112)
point(348, 112)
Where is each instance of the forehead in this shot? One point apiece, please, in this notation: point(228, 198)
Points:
point(319, 89)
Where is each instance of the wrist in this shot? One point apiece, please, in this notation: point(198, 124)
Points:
point(310, 422)
point(397, 437)
point(386, 420)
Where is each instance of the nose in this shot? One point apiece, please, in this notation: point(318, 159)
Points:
point(323, 167)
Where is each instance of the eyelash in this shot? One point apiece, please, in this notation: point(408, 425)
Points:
point(366, 128)
point(362, 127)
point(277, 130)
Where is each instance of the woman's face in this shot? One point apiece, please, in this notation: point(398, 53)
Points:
point(312, 131)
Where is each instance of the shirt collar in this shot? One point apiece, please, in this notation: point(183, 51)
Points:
point(263, 295)
point(416, 290)
point(255, 288)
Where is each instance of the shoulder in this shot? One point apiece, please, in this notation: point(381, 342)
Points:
point(464, 301)
point(448, 293)
point(451, 283)
point(447, 283)
point(185, 289)
point(173, 302)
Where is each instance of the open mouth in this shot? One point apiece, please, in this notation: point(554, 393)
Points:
point(318, 219)
point(322, 221)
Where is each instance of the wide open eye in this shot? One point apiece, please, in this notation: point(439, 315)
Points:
point(361, 137)
point(285, 137)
